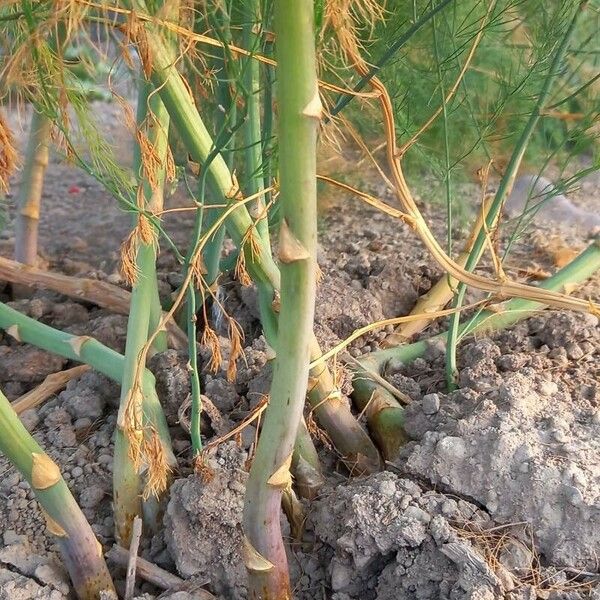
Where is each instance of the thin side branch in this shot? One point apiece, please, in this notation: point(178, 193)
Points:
point(406, 146)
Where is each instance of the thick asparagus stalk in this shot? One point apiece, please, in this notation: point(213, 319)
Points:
point(80, 550)
point(30, 192)
point(299, 115)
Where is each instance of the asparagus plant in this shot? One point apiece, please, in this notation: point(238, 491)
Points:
point(350, 439)
point(286, 291)
point(225, 119)
point(506, 184)
point(347, 435)
point(299, 116)
point(80, 550)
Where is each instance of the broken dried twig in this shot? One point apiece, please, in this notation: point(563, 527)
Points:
point(52, 384)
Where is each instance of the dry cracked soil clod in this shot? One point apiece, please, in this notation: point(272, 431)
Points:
point(521, 438)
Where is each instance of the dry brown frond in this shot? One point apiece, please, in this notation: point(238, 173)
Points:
point(332, 134)
point(28, 59)
point(128, 258)
point(254, 245)
point(203, 469)
point(188, 36)
point(8, 154)
point(133, 426)
point(211, 341)
point(491, 542)
point(135, 32)
point(199, 269)
point(17, 68)
point(69, 13)
point(144, 232)
point(147, 231)
point(159, 469)
point(345, 18)
point(236, 337)
point(150, 161)
point(240, 272)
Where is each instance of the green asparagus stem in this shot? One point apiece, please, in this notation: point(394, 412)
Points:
point(30, 191)
point(224, 118)
point(153, 120)
point(505, 187)
point(252, 127)
point(299, 115)
point(80, 550)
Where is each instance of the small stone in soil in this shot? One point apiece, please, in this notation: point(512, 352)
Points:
point(431, 404)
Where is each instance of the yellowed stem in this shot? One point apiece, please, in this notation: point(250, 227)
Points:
point(439, 295)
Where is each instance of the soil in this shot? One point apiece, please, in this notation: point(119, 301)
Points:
point(496, 495)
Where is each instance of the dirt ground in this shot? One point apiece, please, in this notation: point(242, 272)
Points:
point(496, 495)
